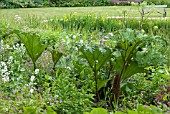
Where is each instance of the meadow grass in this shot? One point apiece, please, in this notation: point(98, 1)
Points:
point(60, 11)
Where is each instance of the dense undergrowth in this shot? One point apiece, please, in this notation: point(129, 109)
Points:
point(73, 64)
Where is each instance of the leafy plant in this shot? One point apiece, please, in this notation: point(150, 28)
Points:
point(29, 110)
point(34, 110)
point(97, 111)
point(96, 57)
point(131, 47)
point(33, 45)
point(55, 57)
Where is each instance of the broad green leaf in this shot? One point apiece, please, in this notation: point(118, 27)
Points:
point(143, 110)
point(88, 55)
point(29, 110)
point(118, 112)
point(101, 83)
point(132, 69)
point(103, 58)
point(118, 64)
point(156, 110)
point(56, 56)
point(50, 110)
point(99, 111)
point(86, 113)
point(96, 57)
point(127, 87)
point(132, 112)
point(33, 44)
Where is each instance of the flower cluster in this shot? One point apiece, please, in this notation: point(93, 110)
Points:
point(17, 18)
point(4, 72)
point(44, 21)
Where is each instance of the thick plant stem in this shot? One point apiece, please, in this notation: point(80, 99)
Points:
point(34, 66)
point(54, 70)
point(116, 88)
point(116, 85)
point(95, 76)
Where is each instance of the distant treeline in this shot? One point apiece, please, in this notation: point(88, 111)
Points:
point(66, 3)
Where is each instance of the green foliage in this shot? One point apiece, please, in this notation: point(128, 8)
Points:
point(34, 110)
point(97, 111)
point(78, 3)
point(55, 56)
point(71, 98)
point(148, 109)
point(141, 109)
point(33, 45)
point(159, 2)
point(131, 46)
point(66, 3)
point(85, 56)
point(44, 3)
point(96, 57)
point(50, 110)
point(29, 110)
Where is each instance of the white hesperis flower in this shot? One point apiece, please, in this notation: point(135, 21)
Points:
point(37, 71)
point(32, 78)
point(8, 47)
point(3, 63)
point(5, 78)
point(144, 50)
point(4, 73)
point(81, 41)
point(76, 49)
point(31, 90)
point(10, 60)
point(68, 68)
point(3, 67)
point(67, 37)
point(17, 18)
point(44, 21)
point(56, 96)
point(74, 36)
point(110, 34)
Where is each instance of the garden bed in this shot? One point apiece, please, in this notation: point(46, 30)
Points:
point(74, 64)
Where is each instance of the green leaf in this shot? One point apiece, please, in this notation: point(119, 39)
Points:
point(165, 97)
point(56, 56)
point(118, 112)
point(88, 55)
point(29, 110)
point(132, 112)
point(32, 43)
point(103, 58)
point(156, 110)
point(99, 111)
point(50, 110)
point(101, 83)
point(132, 69)
point(96, 57)
point(143, 110)
point(86, 113)
point(118, 64)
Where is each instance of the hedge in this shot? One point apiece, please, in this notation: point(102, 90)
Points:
point(66, 3)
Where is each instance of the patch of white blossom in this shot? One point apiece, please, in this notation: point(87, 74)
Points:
point(4, 72)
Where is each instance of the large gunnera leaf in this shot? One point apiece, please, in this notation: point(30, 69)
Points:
point(32, 43)
point(96, 56)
